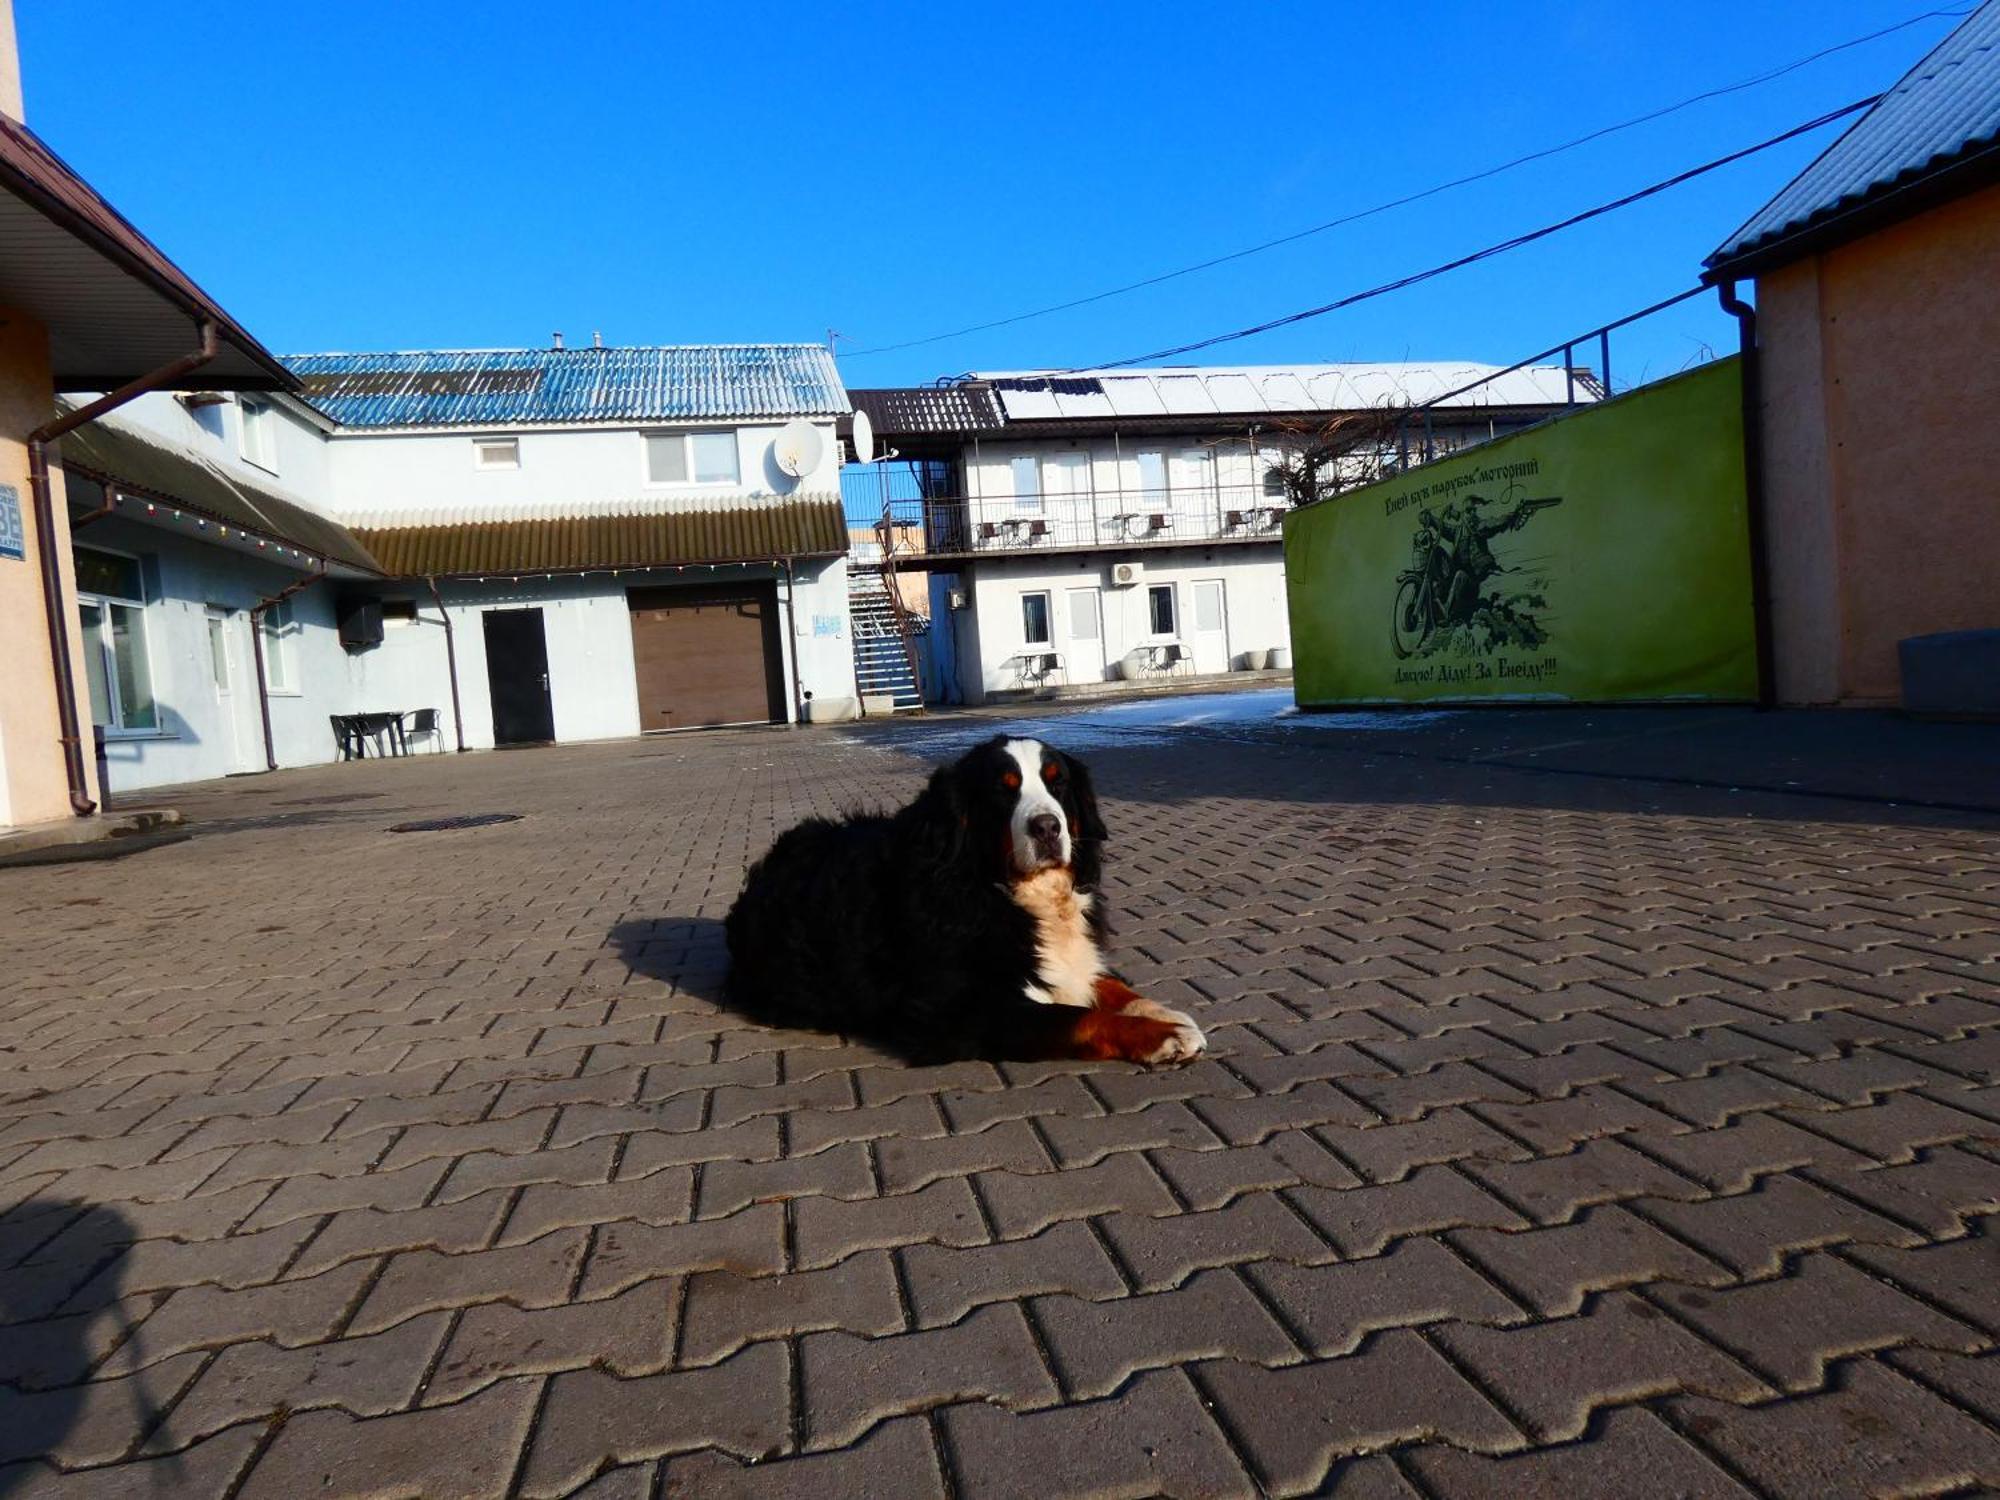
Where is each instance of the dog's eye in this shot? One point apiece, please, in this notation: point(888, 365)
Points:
point(1052, 773)
point(1011, 780)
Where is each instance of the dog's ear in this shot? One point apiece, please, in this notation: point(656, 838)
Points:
point(1083, 792)
point(941, 817)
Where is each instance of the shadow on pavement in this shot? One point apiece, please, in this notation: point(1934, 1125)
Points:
point(688, 954)
point(46, 1354)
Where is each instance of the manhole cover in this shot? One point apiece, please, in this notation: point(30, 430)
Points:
point(465, 820)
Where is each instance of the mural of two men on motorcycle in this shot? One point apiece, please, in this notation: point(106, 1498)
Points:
point(1442, 595)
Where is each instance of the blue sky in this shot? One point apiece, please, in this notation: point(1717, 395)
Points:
point(376, 175)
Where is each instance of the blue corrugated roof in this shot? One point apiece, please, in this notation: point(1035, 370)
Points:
point(501, 387)
point(1944, 110)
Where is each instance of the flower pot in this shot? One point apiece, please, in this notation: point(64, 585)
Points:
point(1281, 658)
point(1256, 661)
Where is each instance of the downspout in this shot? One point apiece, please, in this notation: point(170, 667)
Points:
point(792, 632)
point(451, 663)
point(257, 652)
point(1753, 490)
point(67, 721)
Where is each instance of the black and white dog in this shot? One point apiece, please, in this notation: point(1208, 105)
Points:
point(968, 924)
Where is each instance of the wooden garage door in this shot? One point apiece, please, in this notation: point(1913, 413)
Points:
point(706, 656)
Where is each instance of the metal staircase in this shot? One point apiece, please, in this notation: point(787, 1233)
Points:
point(885, 650)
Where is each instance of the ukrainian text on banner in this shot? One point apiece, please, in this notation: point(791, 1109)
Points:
point(1600, 557)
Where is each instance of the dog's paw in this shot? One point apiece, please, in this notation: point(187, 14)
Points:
point(1183, 1043)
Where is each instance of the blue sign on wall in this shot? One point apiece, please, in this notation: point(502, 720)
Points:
point(13, 539)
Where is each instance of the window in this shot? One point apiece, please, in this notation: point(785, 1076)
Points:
point(1066, 474)
point(1035, 619)
point(218, 650)
point(260, 434)
point(496, 453)
point(1192, 472)
point(111, 608)
point(280, 630)
point(1160, 608)
point(1085, 615)
point(691, 458)
point(1027, 485)
point(399, 611)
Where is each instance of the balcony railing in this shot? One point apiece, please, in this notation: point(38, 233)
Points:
point(1111, 519)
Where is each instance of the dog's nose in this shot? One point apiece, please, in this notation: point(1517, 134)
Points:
point(1045, 830)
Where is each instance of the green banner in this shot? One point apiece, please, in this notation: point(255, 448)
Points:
point(1600, 557)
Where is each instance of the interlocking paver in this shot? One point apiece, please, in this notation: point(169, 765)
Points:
point(850, 1383)
point(1872, 1433)
point(739, 1406)
point(1297, 1421)
point(1500, 1061)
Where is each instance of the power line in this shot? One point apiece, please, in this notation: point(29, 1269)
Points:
point(1430, 192)
point(1491, 250)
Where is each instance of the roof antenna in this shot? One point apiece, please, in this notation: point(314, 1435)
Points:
point(559, 342)
point(596, 340)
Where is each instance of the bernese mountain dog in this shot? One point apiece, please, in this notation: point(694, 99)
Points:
point(968, 924)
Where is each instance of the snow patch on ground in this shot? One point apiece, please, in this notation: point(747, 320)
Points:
point(1262, 714)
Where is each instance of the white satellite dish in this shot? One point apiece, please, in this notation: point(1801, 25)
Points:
point(864, 438)
point(798, 448)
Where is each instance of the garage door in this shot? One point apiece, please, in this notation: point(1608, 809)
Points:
point(706, 656)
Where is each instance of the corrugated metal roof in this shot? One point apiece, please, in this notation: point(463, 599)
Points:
point(809, 526)
point(1943, 112)
point(905, 410)
point(133, 459)
point(503, 387)
point(1250, 390)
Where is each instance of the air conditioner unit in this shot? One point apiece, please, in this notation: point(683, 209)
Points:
point(956, 599)
point(1125, 574)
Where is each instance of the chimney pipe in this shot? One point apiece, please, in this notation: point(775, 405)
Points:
point(597, 341)
point(559, 342)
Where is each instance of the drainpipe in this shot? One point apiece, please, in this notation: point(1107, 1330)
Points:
point(67, 720)
point(257, 653)
point(792, 630)
point(451, 663)
point(1753, 490)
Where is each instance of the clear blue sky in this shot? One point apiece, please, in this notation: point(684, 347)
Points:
point(369, 175)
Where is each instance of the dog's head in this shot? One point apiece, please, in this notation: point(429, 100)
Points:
point(1022, 807)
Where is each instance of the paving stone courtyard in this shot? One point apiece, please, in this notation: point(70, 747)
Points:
point(1596, 1106)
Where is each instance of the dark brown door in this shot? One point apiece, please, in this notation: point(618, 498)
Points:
point(707, 656)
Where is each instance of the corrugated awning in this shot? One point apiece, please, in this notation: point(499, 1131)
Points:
point(809, 526)
point(139, 463)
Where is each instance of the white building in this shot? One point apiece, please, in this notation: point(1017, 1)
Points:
point(532, 545)
point(1089, 526)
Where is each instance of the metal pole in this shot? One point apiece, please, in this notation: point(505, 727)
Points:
point(1753, 491)
point(451, 663)
point(257, 653)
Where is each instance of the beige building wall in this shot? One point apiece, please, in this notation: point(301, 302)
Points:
point(33, 788)
point(1881, 382)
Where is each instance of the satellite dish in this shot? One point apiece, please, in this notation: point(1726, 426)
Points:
point(864, 438)
point(798, 448)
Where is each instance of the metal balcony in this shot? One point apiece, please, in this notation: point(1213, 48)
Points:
point(1107, 520)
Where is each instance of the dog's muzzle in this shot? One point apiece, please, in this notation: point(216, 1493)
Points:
point(1045, 832)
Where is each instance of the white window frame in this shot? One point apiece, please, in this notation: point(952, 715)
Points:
point(280, 627)
point(258, 442)
point(485, 451)
point(1172, 633)
point(104, 603)
point(687, 437)
point(1048, 641)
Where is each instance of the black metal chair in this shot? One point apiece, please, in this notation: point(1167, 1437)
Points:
point(422, 723)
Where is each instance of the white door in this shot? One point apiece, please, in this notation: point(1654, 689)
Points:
point(1083, 635)
point(1208, 626)
point(1066, 499)
point(1191, 477)
point(230, 669)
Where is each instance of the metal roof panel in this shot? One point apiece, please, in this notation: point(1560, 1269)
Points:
point(505, 387)
point(1945, 110)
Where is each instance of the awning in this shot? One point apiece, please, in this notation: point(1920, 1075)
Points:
point(114, 305)
point(809, 526)
point(129, 460)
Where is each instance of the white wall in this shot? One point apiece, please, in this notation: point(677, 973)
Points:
point(378, 475)
point(1253, 579)
point(303, 466)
